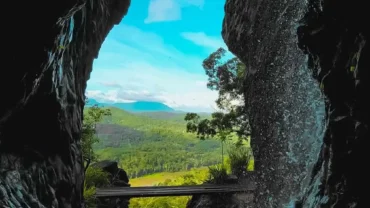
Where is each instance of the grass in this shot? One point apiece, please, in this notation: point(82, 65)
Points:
point(153, 179)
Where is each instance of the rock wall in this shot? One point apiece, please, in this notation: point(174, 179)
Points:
point(49, 50)
point(285, 106)
point(221, 201)
point(266, 35)
point(335, 36)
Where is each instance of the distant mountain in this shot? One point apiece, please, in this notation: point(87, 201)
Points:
point(173, 116)
point(139, 106)
point(91, 102)
point(143, 106)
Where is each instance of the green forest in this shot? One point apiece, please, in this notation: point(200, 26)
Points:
point(144, 145)
point(153, 151)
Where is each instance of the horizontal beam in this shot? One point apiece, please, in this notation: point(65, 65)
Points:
point(158, 191)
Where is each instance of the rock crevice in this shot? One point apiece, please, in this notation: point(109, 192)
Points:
point(335, 36)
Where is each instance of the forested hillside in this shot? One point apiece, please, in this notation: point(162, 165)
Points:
point(145, 145)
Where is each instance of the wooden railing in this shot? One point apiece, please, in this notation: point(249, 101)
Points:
point(157, 191)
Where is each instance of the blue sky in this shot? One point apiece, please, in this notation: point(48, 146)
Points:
point(156, 54)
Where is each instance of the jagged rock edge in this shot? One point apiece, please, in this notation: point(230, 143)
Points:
point(53, 176)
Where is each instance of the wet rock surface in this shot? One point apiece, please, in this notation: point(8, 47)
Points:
point(335, 35)
point(235, 200)
point(283, 101)
point(269, 37)
point(43, 87)
point(217, 201)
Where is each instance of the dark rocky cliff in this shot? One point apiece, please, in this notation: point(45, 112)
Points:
point(284, 104)
point(334, 34)
point(47, 59)
point(284, 44)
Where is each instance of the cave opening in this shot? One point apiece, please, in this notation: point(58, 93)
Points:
point(164, 61)
point(303, 82)
point(151, 65)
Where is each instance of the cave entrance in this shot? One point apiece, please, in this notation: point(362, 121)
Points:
point(162, 73)
point(40, 119)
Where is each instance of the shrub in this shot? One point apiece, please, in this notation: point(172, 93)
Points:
point(239, 157)
point(89, 195)
point(217, 174)
point(94, 177)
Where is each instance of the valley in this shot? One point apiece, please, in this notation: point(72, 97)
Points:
point(154, 149)
point(145, 145)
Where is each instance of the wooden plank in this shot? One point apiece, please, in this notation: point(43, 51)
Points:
point(157, 191)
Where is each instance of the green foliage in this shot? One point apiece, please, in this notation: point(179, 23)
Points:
point(224, 76)
point(92, 116)
point(171, 116)
point(156, 178)
point(217, 174)
point(89, 195)
point(94, 178)
point(203, 128)
point(227, 78)
point(144, 145)
point(239, 157)
point(161, 156)
point(193, 177)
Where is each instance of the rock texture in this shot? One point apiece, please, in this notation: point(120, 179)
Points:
point(219, 201)
point(117, 178)
point(266, 35)
point(235, 200)
point(284, 104)
point(48, 57)
point(335, 36)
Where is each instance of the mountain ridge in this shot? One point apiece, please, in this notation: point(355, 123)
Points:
point(136, 107)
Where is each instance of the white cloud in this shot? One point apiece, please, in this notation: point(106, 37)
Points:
point(201, 39)
point(163, 10)
point(108, 96)
point(148, 69)
point(174, 87)
point(169, 10)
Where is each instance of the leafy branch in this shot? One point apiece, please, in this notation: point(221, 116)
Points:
point(92, 117)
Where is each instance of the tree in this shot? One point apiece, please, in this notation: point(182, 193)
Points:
point(226, 77)
point(92, 116)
